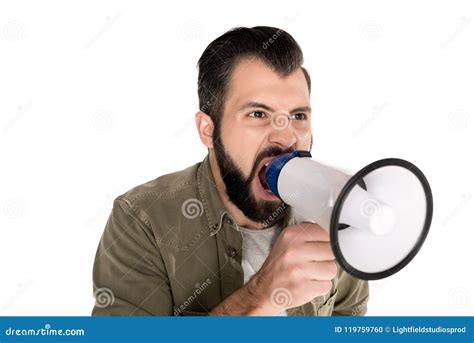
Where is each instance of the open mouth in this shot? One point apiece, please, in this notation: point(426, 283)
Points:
point(261, 175)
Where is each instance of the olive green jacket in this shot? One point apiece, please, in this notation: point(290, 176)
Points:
point(170, 248)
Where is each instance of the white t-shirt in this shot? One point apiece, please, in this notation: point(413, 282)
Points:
point(256, 247)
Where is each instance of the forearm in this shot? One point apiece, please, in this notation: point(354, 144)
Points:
point(247, 301)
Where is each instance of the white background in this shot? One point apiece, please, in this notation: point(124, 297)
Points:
point(97, 97)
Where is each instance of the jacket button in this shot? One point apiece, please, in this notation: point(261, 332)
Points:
point(232, 252)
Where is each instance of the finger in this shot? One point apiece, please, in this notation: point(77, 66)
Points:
point(321, 271)
point(309, 232)
point(315, 251)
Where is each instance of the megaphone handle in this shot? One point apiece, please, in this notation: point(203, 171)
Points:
point(300, 219)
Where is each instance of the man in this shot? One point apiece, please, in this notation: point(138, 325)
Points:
point(212, 239)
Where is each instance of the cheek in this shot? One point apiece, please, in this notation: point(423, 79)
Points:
point(304, 138)
point(242, 144)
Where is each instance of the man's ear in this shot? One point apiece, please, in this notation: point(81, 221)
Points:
point(205, 127)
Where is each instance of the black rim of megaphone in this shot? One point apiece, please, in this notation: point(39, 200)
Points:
point(358, 178)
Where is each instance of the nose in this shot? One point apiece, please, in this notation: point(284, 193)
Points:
point(282, 132)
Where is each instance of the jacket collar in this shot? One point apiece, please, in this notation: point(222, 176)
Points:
point(211, 201)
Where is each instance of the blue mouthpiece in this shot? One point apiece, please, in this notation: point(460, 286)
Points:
point(276, 165)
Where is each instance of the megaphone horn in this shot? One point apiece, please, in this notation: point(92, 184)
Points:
point(378, 219)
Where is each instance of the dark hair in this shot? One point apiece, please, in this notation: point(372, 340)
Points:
point(273, 46)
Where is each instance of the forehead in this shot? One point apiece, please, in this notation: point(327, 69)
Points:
point(253, 80)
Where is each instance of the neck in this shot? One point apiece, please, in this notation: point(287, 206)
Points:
point(239, 217)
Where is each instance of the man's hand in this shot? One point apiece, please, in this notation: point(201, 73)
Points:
point(299, 268)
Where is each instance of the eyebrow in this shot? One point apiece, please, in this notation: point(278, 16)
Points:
point(254, 104)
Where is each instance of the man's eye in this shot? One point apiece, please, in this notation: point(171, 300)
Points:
point(298, 116)
point(257, 114)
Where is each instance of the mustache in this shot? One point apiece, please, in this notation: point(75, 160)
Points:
point(270, 152)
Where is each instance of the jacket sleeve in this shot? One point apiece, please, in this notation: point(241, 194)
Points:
point(129, 276)
point(352, 296)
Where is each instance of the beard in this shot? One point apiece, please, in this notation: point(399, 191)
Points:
point(239, 187)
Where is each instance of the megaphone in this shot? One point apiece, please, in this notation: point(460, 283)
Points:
point(377, 219)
